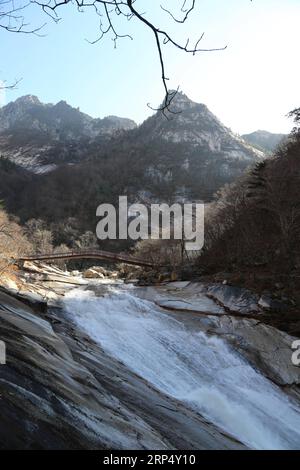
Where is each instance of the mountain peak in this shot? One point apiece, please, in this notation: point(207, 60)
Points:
point(194, 124)
point(40, 136)
point(27, 100)
point(264, 140)
point(62, 104)
point(181, 101)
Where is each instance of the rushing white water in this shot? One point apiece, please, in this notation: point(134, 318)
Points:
point(202, 372)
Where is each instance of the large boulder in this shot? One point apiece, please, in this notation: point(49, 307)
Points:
point(96, 272)
point(235, 300)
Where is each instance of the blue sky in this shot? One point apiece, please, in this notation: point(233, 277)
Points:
point(252, 85)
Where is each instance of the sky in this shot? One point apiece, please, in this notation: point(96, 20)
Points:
point(251, 85)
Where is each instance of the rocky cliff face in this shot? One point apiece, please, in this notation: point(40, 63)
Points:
point(39, 137)
point(57, 120)
point(195, 124)
point(190, 150)
point(187, 157)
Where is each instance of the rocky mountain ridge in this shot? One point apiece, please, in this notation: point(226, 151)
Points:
point(187, 157)
point(263, 140)
point(39, 137)
point(194, 123)
point(57, 120)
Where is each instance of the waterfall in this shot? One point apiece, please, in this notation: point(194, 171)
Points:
point(202, 372)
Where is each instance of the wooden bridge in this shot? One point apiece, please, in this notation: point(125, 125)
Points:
point(97, 254)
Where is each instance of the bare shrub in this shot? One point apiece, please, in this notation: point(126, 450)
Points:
point(39, 236)
point(13, 242)
point(160, 252)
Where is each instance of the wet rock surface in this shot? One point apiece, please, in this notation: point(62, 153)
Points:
point(60, 390)
point(267, 348)
point(234, 299)
point(98, 272)
point(212, 299)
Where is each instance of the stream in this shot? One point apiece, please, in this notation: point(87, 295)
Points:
point(201, 371)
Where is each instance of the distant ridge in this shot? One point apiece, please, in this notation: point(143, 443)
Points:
point(40, 136)
point(264, 140)
point(85, 162)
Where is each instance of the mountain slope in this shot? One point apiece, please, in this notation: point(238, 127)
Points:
point(192, 151)
point(39, 137)
point(195, 124)
point(186, 158)
point(263, 140)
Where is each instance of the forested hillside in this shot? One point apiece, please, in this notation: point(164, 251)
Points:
point(187, 157)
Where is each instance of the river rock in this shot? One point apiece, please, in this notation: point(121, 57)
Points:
point(96, 272)
point(93, 274)
point(213, 299)
point(43, 272)
point(235, 299)
point(184, 296)
point(268, 303)
point(267, 348)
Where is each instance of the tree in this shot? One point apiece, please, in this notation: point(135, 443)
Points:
point(295, 115)
point(87, 240)
point(39, 236)
point(256, 220)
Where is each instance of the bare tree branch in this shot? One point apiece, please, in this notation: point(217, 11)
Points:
point(12, 20)
point(12, 86)
point(183, 10)
point(108, 10)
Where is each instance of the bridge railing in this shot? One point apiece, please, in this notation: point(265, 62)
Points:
point(77, 254)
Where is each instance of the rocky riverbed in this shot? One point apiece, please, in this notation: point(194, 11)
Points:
point(96, 364)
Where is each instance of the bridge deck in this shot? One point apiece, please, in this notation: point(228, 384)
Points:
point(104, 255)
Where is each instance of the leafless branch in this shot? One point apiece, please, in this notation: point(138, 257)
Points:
point(12, 86)
point(12, 20)
point(183, 10)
